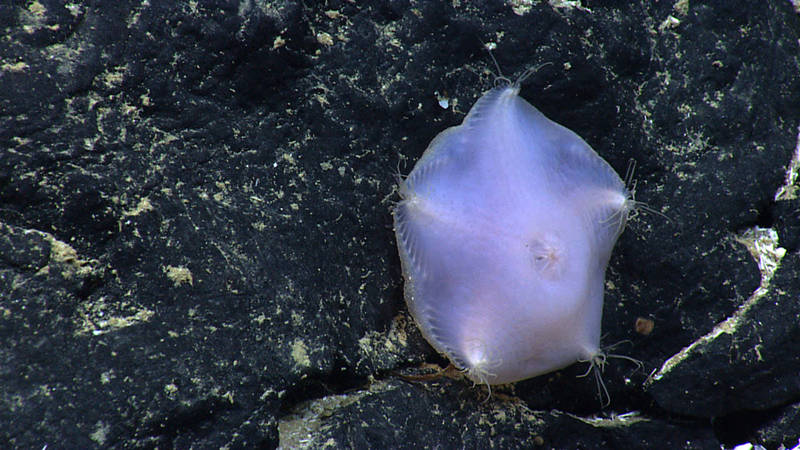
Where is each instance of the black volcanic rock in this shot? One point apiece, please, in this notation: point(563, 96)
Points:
point(196, 246)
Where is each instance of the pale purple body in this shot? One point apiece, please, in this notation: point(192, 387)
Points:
point(505, 229)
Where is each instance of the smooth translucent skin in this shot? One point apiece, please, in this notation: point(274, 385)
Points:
point(505, 229)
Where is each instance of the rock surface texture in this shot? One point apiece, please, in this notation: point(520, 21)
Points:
point(196, 245)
